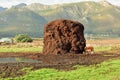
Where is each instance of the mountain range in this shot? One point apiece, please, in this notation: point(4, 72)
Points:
point(2, 9)
point(97, 18)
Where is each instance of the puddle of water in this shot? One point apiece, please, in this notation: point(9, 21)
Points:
point(17, 59)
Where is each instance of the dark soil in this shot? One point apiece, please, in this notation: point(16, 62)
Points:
point(60, 62)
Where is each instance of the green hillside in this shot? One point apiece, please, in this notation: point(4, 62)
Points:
point(97, 17)
point(21, 20)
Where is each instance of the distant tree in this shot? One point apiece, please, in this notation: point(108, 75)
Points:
point(23, 38)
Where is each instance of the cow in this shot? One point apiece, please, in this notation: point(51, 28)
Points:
point(89, 50)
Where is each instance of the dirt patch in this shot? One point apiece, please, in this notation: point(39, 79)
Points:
point(64, 36)
point(60, 62)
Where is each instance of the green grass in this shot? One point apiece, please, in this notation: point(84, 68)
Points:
point(108, 70)
point(38, 39)
point(102, 48)
point(21, 49)
point(29, 48)
point(107, 48)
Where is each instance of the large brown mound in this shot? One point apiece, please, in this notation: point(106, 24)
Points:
point(64, 36)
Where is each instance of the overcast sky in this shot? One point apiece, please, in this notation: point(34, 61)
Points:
point(9, 3)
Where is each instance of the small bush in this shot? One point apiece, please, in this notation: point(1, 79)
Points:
point(22, 38)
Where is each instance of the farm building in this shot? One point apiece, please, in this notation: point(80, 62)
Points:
point(6, 40)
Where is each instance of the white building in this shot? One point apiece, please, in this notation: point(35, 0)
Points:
point(6, 40)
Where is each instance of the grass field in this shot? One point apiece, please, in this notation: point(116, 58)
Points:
point(33, 49)
point(112, 48)
point(22, 49)
point(37, 46)
point(108, 70)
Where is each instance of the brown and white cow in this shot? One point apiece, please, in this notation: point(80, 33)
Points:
point(89, 50)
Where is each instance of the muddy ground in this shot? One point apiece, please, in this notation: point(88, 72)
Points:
point(60, 62)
